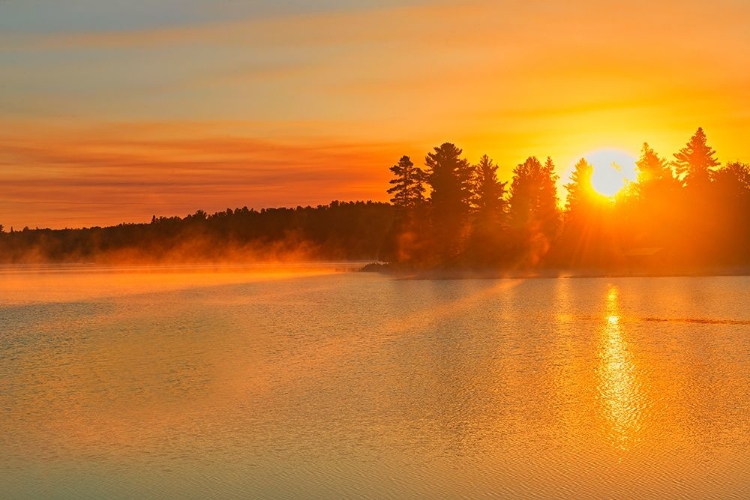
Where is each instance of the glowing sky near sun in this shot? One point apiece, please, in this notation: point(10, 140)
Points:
point(114, 111)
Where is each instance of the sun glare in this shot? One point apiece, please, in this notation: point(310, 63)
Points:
point(613, 169)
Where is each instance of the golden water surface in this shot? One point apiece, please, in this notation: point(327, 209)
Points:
point(132, 383)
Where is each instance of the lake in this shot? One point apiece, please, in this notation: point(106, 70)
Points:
point(268, 383)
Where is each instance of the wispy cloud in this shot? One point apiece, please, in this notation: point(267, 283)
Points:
point(129, 176)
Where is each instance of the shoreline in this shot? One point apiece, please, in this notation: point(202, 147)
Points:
point(396, 271)
point(459, 274)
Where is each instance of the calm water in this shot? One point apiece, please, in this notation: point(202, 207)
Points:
point(333, 385)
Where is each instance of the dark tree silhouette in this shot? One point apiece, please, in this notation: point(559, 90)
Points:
point(733, 180)
point(651, 167)
point(408, 185)
point(533, 195)
point(653, 207)
point(697, 236)
point(406, 238)
point(694, 162)
point(489, 191)
point(534, 214)
point(732, 202)
point(339, 231)
point(450, 178)
point(487, 244)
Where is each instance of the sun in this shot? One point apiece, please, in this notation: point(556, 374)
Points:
point(613, 169)
point(607, 180)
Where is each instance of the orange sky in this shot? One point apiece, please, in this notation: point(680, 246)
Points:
point(116, 115)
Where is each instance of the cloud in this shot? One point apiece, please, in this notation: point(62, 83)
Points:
point(58, 176)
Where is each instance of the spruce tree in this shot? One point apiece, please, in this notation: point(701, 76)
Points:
point(651, 167)
point(694, 162)
point(450, 178)
point(533, 206)
point(488, 238)
point(580, 190)
point(489, 191)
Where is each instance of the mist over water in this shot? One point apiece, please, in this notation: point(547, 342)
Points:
point(308, 383)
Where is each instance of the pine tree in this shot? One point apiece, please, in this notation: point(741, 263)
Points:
point(407, 234)
point(408, 185)
point(693, 163)
point(548, 200)
point(489, 192)
point(580, 190)
point(533, 205)
point(451, 180)
point(488, 242)
point(656, 185)
point(651, 167)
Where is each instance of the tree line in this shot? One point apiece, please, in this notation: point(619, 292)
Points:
point(686, 215)
point(690, 214)
point(338, 231)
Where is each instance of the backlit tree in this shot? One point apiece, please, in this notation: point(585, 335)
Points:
point(450, 178)
point(534, 214)
point(694, 162)
point(408, 184)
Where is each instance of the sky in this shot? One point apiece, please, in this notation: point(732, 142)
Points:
point(116, 111)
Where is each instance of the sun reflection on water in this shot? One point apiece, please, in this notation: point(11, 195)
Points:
point(618, 388)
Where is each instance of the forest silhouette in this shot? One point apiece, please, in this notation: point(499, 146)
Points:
point(688, 215)
point(340, 231)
